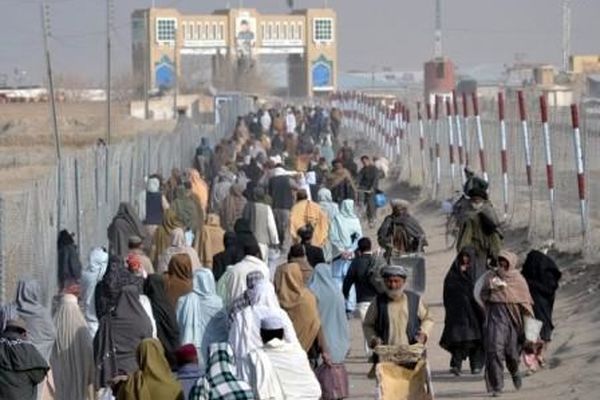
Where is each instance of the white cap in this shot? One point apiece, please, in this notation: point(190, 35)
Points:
point(271, 323)
point(394, 270)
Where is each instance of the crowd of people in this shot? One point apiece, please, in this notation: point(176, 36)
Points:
point(236, 278)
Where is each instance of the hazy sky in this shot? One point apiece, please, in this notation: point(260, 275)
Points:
point(394, 33)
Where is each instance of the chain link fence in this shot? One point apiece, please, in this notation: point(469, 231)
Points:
point(83, 192)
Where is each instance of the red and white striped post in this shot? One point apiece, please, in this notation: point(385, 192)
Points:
point(399, 133)
point(465, 105)
point(503, 152)
point(449, 117)
point(480, 137)
point(461, 158)
point(431, 141)
point(580, 169)
point(378, 126)
point(438, 160)
point(383, 126)
point(527, 146)
point(353, 111)
point(362, 113)
point(421, 142)
point(406, 113)
point(373, 119)
point(549, 165)
point(391, 132)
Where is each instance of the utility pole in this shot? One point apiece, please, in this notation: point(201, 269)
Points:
point(109, 14)
point(566, 36)
point(175, 74)
point(146, 61)
point(46, 33)
point(437, 50)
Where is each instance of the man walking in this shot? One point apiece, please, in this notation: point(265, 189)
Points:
point(368, 182)
point(281, 190)
point(358, 275)
point(396, 317)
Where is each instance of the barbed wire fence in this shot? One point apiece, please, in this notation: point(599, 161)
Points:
point(555, 204)
point(94, 181)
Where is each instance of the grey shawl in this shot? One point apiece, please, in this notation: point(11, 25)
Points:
point(40, 328)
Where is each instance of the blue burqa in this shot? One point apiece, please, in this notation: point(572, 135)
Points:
point(200, 315)
point(332, 210)
point(332, 311)
point(345, 229)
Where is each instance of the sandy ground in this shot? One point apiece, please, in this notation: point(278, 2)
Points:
point(574, 357)
point(27, 137)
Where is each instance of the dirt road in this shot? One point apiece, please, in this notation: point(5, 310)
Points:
point(574, 367)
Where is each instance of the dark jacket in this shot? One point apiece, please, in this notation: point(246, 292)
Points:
point(22, 368)
point(314, 254)
point(542, 276)
point(383, 318)
point(357, 276)
point(231, 255)
point(280, 190)
point(368, 178)
point(69, 265)
point(343, 191)
point(464, 317)
point(154, 209)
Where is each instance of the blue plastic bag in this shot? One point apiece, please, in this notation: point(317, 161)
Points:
point(380, 200)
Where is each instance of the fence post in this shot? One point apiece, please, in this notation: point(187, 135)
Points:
point(503, 153)
point(407, 126)
point(431, 142)
point(131, 176)
point(549, 166)
point(465, 105)
point(421, 143)
point(59, 195)
point(580, 171)
point(525, 133)
point(459, 138)
point(120, 183)
point(450, 142)
point(78, 203)
point(480, 141)
point(438, 160)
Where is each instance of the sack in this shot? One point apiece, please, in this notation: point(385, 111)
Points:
point(333, 380)
point(533, 327)
point(380, 200)
point(374, 274)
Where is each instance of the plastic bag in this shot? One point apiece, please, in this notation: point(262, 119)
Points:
point(333, 380)
point(380, 200)
point(533, 327)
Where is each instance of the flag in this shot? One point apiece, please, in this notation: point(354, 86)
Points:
point(290, 4)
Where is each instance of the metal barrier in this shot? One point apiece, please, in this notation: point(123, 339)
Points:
point(540, 161)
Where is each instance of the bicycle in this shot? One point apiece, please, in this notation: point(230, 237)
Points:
point(454, 208)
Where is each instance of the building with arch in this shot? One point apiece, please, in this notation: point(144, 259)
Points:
point(297, 51)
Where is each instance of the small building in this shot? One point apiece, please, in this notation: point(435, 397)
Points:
point(544, 75)
point(558, 95)
point(439, 77)
point(585, 64)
